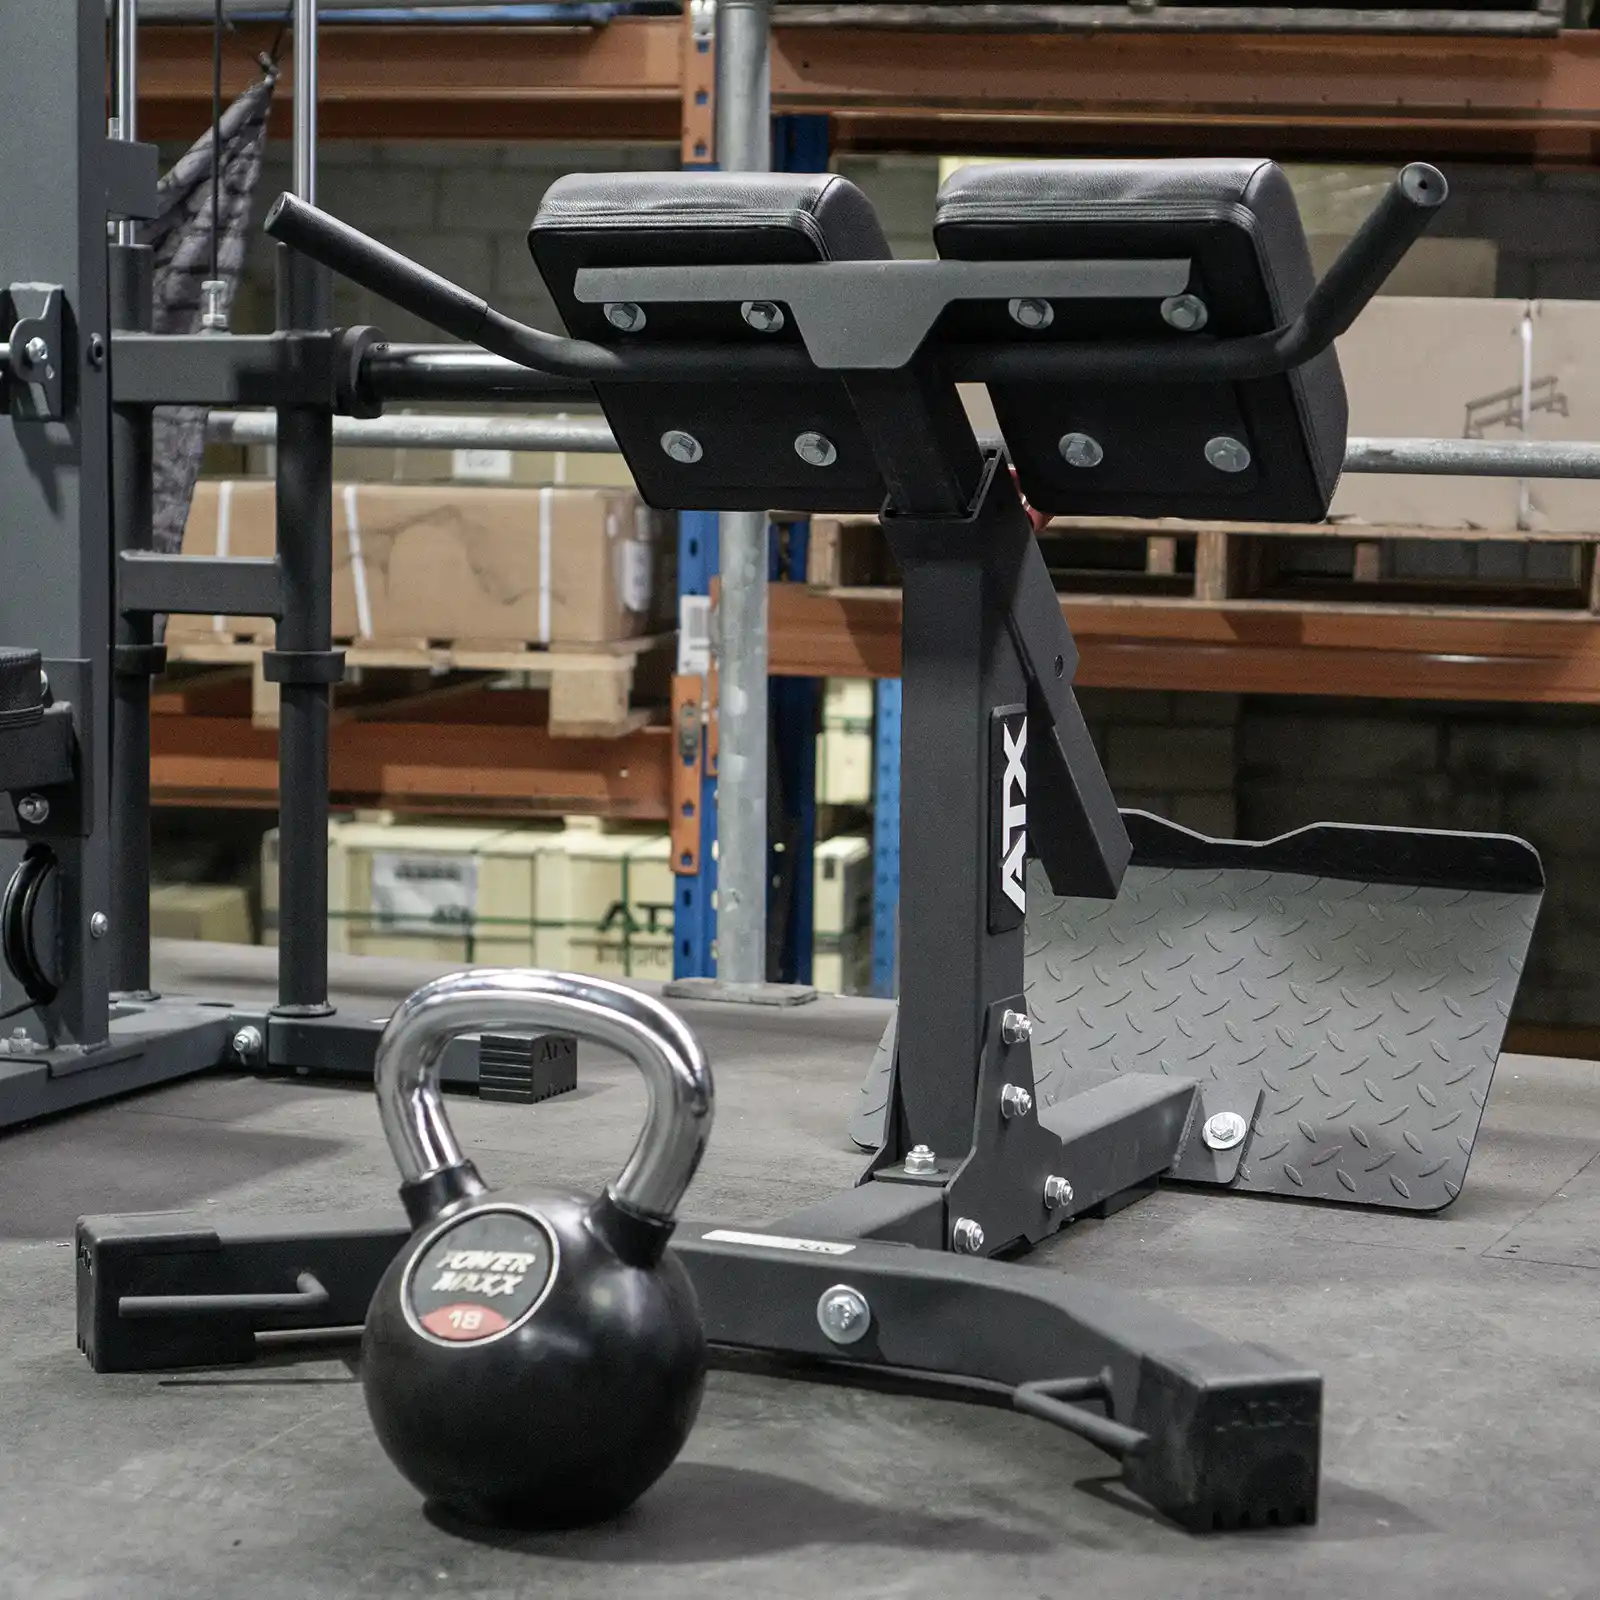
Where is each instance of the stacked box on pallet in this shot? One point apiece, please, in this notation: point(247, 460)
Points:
point(841, 960)
point(490, 566)
point(605, 904)
point(844, 747)
point(214, 912)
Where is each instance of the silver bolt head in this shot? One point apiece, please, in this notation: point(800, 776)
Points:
point(816, 449)
point(763, 315)
point(1079, 450)
point(921, 1159)
point(214, 305)
point(1016, 1027)
point(1185, 312)
point(34, 809)
point(1015, 1101)
point(247, 1044)
point(625, 316)
point(843, 1314)
point(1227, 454)
point(1057, 1193)
point(1033, 314)
point(99, 925)
point(37, 351)
point(1224, 1130)
point(681, 446)
point(967, 1236)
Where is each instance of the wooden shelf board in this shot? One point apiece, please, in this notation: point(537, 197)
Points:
point(1398, 96)
point(1245, 647)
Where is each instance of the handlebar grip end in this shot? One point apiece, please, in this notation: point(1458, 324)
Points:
point(1424, 186)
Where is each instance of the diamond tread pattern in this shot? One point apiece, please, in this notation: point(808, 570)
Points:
point(1370, 1014)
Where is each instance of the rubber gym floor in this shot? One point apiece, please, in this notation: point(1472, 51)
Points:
point(1461, 1353)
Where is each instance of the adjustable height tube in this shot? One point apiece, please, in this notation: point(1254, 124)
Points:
point(135, 656)
point(744, 122)
point(305, 665)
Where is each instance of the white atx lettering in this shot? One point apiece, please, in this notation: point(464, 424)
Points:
point(1014, 805)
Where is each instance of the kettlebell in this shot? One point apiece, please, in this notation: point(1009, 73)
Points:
point(534, 1358)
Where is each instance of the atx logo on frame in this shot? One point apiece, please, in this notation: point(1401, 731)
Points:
point(1008, 753)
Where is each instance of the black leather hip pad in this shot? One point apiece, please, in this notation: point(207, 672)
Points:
point(1158, 449)
point(746, 432)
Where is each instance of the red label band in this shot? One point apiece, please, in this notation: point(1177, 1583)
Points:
point(464, 1323)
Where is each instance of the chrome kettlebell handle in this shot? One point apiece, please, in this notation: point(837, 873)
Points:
point(676, 1074)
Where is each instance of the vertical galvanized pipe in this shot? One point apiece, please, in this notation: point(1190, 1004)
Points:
point(125, 90)
point(744, 144)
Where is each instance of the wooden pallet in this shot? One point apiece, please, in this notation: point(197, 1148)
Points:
point(1219, 561)
point(592, 688)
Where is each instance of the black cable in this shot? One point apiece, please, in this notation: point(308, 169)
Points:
point(275, 54)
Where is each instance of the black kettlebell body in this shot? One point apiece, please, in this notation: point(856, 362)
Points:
point(519, 1371)
point(535, 1358)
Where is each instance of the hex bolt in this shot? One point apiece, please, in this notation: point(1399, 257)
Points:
point(1224, 1130)
point(681, 446)
point(1079, 450)
point(816, 449)
point(843, 1314)
point(214, 305)
point(1032, 314)
point(1016, 1027)
point(34, 809)
point(967, 1236)
point(625, 315)
point(762, 315)
point(1015, 1101)
point(1227, 454)
point(921, 1159)
point(37, 351)
point(248, 1045)
point(1185, 312)
point(1057, 1193)
point(99, 925)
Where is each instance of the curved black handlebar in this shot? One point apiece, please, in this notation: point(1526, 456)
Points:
point(1393, 226)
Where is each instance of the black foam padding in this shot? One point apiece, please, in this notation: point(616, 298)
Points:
point(21, 688)
point(1237, 223)
point(747, 431)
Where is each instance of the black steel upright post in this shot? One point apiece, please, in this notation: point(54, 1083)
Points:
point(305, 665)
point(136, 657)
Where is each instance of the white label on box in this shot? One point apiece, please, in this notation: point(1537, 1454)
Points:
point(771, 1241)
point(694, 635)
point(424, 891)
point(636, 574)
point(482, 466)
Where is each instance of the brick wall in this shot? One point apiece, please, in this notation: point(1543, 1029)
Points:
point(1533, 771)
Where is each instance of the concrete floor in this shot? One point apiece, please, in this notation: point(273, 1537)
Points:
point(1461, 1354)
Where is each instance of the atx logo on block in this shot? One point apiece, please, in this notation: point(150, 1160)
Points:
point(1008, 830)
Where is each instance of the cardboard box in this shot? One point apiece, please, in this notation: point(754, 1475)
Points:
point(841, 959)
point(512, 566)
point(605, 905)
point(1564, 394)
point(1433, 368)
point(216, 912)
point(496, 567)
point(409, 890)
point(844, 747)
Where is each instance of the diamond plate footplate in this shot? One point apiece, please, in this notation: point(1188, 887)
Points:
point(1368, 1012)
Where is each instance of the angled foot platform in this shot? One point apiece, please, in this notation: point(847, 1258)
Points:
point(1359, 979)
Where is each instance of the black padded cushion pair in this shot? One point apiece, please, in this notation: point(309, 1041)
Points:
point(1235, 221)
point(746, 431)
